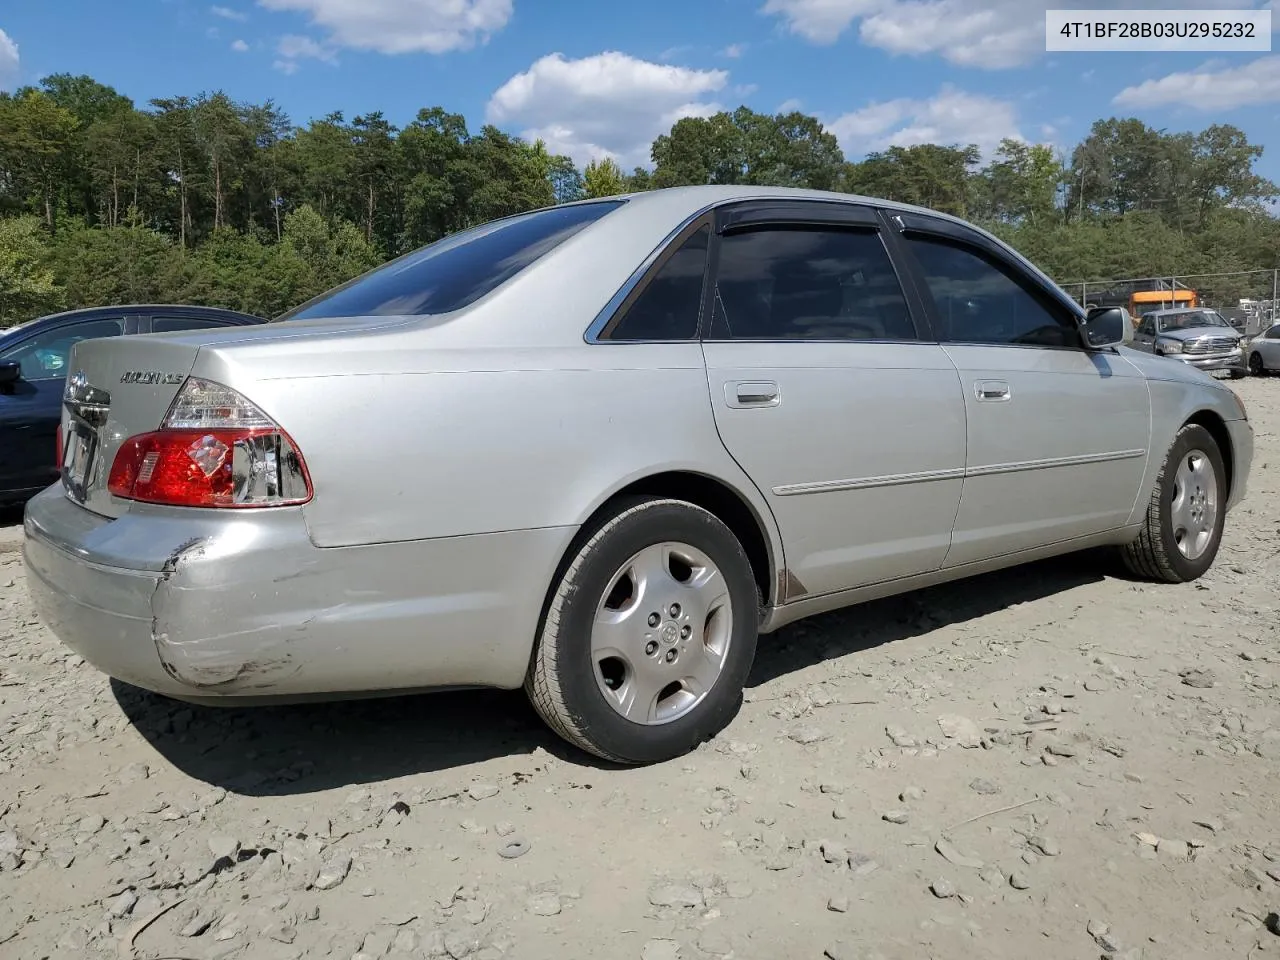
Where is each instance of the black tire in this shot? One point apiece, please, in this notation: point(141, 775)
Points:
point(1237, 373)
point(1154, 555)
point(562, 683)
point(1256, 366)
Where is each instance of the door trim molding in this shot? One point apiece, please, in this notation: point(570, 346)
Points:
point(959, 473)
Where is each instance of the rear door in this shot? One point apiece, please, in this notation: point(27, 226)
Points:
point(1057, 434)
point(29, 415)
point(825, 392)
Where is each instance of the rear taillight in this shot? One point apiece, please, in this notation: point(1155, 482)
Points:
point(57, 454)
point(214, 449)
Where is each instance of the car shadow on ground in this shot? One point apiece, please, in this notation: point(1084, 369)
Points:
point(301, 749)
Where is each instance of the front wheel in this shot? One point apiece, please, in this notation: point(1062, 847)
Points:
point(1256, 366)
point(1185, 516)
point(649, 636)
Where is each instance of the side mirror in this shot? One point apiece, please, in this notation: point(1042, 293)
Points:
point(1106, 327)
point(10, 373)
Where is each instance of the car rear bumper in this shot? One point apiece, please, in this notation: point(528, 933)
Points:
point(205, 605)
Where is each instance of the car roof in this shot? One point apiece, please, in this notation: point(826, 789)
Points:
point(146, 308)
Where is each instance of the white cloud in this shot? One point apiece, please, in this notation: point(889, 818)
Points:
point(403, 26)
point(239, 46)
point(1208, 88)
point(951, 117)
point(734, 50)
point(8, 61)
point(226, 13)
point(295, 47)
point(287, 67)
point(790, 106)
point(987, 34)
point(609, 104)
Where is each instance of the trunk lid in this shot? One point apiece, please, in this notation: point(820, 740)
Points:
point(120, 387)
point(116, 388)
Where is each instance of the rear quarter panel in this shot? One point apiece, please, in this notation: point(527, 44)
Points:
point(495, 439)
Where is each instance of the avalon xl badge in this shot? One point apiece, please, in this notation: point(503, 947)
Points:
point(150, 376)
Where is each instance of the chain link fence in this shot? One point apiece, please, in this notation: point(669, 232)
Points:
point(1249, 299)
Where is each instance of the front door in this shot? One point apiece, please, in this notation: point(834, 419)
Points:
point(1144, 338)
point(1058, 434)
point(851, 425)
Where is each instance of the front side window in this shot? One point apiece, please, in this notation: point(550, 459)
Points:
point(1274, 332)
point(670, 305)
point(805, 283)
point(44, 356)
point(978, 302)
point(1148, 327)
point(457, 270)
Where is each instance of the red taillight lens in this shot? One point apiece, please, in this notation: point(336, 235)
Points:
point(57, 454)
point(215, 448)
point(246, 467)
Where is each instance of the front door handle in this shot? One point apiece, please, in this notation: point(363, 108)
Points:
point(992, 390)
point(753, 393)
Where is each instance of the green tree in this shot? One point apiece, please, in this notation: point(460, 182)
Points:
point(27, 286)
point(36, 137)
point(603, 178)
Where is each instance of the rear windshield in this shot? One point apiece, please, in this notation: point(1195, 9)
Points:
point(457, 270)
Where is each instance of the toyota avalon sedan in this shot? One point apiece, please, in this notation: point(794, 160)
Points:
point(598, 450)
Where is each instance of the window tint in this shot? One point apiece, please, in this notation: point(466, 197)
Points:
point(978, 303)
point(457, 270)
point(1274, 333)
point(794, 284)
point(44, 356)
point(174, 324)
point(669, 306)
point(1148, 327)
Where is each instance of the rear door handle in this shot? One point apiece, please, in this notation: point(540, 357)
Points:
point(753, 393)
point(992, 391)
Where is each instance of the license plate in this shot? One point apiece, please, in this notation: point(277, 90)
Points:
point(77, 458)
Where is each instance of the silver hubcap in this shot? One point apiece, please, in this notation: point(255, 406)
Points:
point(661, 633)
point(1195, 504)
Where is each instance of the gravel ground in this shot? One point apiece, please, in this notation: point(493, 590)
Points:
point(1048, 762)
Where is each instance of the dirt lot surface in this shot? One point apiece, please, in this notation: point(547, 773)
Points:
point(1046, 763)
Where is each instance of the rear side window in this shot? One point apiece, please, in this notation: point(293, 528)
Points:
point(669, 306)
point(458, 270)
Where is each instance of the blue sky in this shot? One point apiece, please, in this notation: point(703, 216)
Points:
point(594, 77)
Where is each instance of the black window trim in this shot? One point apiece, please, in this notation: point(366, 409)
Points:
point(210, 321)
point(743, 215)
point(996, 256)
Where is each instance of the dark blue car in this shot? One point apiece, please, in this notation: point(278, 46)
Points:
point(33, 369)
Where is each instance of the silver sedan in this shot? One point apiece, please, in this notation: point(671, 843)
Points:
point(598, 450)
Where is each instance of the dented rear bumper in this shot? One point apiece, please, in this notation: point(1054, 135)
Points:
point(210, 605)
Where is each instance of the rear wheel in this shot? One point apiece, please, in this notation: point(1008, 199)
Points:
point(1185, 516)
point(1256, 366)
point(649, 635)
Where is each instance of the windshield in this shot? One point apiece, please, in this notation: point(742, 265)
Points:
point(1193, 319)
point(457, 270)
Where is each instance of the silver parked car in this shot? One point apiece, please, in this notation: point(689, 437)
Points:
point(1264, 352)
point(596, 450)
point(1195, 335)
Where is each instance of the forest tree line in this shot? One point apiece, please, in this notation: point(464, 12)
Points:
point(207, 200)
